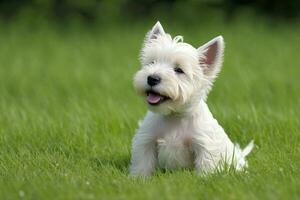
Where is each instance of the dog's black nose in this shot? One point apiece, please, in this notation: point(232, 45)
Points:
point(153, 80)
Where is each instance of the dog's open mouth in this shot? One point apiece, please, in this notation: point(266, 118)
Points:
point(154, 98)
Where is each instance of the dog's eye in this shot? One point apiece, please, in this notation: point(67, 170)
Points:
point(152, 62)
point(178, 70)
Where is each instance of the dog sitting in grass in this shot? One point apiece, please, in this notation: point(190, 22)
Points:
point(179, 131)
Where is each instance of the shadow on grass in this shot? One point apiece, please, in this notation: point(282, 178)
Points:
point(121, 163)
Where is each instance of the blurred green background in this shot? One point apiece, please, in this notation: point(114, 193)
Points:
point(68, 110)
point(119, 10)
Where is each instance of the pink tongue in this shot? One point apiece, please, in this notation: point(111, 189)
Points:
point(153, 98)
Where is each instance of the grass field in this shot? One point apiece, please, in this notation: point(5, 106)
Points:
point(68, 112)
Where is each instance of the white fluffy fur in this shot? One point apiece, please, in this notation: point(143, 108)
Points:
point(181, 132)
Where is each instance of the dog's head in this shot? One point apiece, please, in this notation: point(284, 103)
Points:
point(174, 74)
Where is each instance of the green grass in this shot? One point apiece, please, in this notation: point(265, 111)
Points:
point(68, 112)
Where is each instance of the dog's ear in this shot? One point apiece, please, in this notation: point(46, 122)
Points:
point(156, 30)
point(211, 57)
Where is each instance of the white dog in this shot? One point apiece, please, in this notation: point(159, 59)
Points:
point(179, 131)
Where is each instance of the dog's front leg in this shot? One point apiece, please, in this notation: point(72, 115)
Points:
point(144, 154)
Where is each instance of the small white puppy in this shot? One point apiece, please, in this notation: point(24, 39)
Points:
point(179, 131)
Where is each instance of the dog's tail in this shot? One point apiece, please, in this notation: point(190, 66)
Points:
point(248, 149)
point(241, 161)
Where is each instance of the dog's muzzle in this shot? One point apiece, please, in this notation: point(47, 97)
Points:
point(153, 80)
point(155, 98)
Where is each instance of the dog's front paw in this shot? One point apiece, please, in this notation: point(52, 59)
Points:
point(205, 172)
point(140, 173)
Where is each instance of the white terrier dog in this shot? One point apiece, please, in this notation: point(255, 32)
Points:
point(179, 131)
